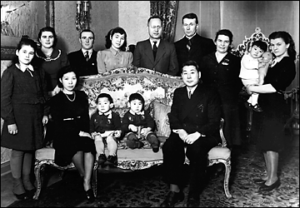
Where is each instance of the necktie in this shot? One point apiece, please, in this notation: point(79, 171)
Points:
point(86, 56)
point(189, 94)
point(154, 49)
point(189, 44)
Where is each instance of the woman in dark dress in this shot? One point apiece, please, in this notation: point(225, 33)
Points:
point(23, 109)
point(220, 70)
point(278, 78)
point(72, 140)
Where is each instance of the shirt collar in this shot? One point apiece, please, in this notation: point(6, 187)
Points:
point(114, 52)
point(90, 51)
point(192, 90)
point(133, 113)
point(24, 67)
point(190, 38)
point(108, 114)
point(157, 42)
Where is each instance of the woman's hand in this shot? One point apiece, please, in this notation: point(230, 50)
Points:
point(12, 129)
point(248, 89)
point(84, 134)
point(55, 91)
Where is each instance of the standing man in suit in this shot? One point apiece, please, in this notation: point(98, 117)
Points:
point(84, 60)
point(194, 120)
point(155, 53)
point(192, 46)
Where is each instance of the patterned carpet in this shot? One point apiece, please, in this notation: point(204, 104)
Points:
point(146, 188)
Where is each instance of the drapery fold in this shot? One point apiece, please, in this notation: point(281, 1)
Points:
point(167, 10)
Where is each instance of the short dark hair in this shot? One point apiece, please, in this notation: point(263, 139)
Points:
point(64, 70)
point(154, 17)
point(87, 30)
point(225, 32)
point(191, 63)
point(48, 29)
point(137, 96)
point(25, 41)
point(190, 16)
point(105, 95)
point(261, 44)
point(111, 33)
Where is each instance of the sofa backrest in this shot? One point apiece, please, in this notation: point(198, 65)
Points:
point(245, 45)
point(122, 82)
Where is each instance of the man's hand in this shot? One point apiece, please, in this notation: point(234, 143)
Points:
point(191, 138)
point(181, 132)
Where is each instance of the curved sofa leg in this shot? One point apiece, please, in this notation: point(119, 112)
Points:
point(95, 179)
point(226, 178)
point(37, 172)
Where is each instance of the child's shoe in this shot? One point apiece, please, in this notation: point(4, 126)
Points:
point(112, 160)
point(101, 159)
point(257, 108)
point(154, 142)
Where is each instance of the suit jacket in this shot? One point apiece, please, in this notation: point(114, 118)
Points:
point(200, 47)
point(83, 67)
point(165, 61)
point(201, 113)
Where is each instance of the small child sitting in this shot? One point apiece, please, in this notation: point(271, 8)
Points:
point(137, 124)
point(253, 72)
point(105, 128)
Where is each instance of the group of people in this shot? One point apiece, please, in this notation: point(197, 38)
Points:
point(39, 90)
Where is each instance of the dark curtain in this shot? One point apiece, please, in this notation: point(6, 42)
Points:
point(167, 10)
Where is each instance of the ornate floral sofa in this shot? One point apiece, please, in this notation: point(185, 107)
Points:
point(157, 90)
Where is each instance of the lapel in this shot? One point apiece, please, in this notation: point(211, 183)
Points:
point(191, 104)
point(160, 51)
point(148, 50)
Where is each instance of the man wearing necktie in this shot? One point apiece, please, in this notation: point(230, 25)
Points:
point(85, 59)
point(192, 46)
point(194, 121)
point(155, 53)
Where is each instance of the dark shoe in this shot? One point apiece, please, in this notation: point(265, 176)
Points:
point(257, 108)
point(112, 160)
point(31, 193)
point(193, 201)
point(23, 196)
point(266, 188)
point(248, 105)
point(90, 196)
point(154, 142)
point(172, 198)
point(259, 181)
point(101, 159)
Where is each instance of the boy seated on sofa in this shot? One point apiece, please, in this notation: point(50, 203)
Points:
point(137, 124)
point(105, 128)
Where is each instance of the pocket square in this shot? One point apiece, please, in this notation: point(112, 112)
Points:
point(201, 107)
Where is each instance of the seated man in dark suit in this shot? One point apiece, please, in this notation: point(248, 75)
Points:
point(84, 60)
point(194, 120)
point(192, 46)
point(155, 53)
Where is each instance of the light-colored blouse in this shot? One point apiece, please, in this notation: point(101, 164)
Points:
point(109, 59)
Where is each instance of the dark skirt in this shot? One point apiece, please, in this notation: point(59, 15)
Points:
point(64, 151)
point(30, 134)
